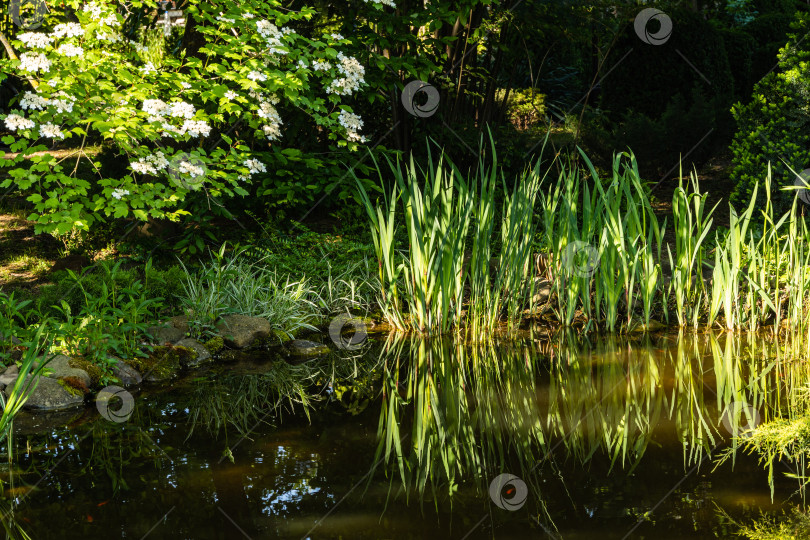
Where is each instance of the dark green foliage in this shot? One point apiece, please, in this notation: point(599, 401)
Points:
point(770, 32)
point(659, 142)
point(775, 125)
point(313, 255)
point(657, 103)
point(740, 48)
point(650, 76)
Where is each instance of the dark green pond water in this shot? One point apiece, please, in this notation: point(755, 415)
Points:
point(612, 439)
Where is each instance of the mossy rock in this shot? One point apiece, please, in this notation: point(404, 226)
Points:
point(163, 363)
point(72, 389)
point(215, 344)
point(90, 368)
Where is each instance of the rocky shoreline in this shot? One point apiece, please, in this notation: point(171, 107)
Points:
point(68, 383)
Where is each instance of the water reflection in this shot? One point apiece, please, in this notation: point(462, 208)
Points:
point(453, 411)
point(608, 434)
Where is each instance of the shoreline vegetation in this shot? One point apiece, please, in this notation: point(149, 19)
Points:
point(559, 259)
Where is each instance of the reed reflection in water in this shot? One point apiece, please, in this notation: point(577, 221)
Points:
point(455, 412)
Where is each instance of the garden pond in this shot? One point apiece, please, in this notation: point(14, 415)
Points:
point(605, 437)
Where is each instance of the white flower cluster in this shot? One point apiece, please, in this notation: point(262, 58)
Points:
point(154, 108)
point(67, 30)
point(95, 10)
point(119, 193)
point(158, 110)
point(34, 101)
point(188, 168)
point(389, 3)
point(15, 122)
point(180, 109)
point(225, 19)
point(148, 67)
point(353, 124)
point(35, 40)
point(266, 29)
point(354, 74)
point(230, 94)
point(34, 62)
point(337, 37)
point(257, 76)
point(112, 37)
point(50, 131)
point(68, 49)
point(272, 35)
point(97, 14)
point(194, 128)
point(254, 166)
point(272, 129)
point(150, 164)
point(63, 105)
point(321, 65)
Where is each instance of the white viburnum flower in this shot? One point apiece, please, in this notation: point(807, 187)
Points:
point(196, 128)
point(155, 108)
point(352, 123)
point(69, 50)
point(33, 101)
point(15, 122)
point(34, 62)
point(181, 109)
point(50, 131)
point(35, 40)
point(150, 164)
point(255, 166)
point(257, 76)
point(354, 74)
point(67, 30)
point(119, 193)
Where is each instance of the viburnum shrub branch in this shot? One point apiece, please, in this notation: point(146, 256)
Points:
point(174, 120)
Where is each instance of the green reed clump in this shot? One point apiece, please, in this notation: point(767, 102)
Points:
point(604, 242)
point(442, 210)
